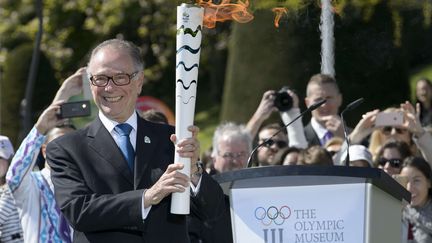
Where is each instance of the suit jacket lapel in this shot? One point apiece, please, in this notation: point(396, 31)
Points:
point(145, 145)
point(102, 142)
point(311, 135)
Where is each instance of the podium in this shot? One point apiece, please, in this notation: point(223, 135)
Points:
point(299, 204)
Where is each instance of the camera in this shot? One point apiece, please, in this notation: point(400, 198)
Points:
point(74, 109)
point(283, 101)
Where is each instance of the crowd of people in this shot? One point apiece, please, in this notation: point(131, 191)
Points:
point(97, 186)
point(391, 146)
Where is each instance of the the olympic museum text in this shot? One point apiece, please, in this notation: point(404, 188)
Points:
point(308, 228)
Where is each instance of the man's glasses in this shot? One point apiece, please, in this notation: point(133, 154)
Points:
point(396, 163)
point(118, 79)
point(233, 156)
point(388, 129)
point(271, 142)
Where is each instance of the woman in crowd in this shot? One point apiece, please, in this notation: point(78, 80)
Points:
point(391, 155)
point(315, 155)
point(418, 214)
point(424, 99)
point(410, 132)
point(33, 191)
point(291, 156)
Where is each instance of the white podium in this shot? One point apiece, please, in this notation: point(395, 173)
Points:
point(299, 204)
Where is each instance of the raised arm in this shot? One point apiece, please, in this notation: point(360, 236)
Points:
point(71, 86)
point(421, 137)
point(18, 175)
point(296, 135)
point(264, 110)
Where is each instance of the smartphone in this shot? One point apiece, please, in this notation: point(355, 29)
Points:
point(74, 109)
point(389, 119)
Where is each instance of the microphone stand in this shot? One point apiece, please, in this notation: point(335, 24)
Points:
point(310, 108)
point(349, 107)
point(347, 140)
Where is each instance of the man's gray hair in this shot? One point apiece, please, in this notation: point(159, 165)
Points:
point(233, 132)
point(133, 51)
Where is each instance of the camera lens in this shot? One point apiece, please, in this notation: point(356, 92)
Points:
point(283, 101)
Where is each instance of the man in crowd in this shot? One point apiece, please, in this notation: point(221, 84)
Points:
point(325, 122)
point(231, 147)
point(272, 146)
point(113, 179)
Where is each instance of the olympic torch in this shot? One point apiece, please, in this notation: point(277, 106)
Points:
point(189, 24)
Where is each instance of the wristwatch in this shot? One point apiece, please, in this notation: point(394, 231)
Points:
point(199, 171)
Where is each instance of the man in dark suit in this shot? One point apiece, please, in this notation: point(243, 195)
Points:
point(325, 122)
point(113, 179)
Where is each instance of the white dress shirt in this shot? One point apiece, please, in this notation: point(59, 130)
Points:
point(318, 128)
point(133, 121)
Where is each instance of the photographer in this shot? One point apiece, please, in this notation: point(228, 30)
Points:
point(287, 103)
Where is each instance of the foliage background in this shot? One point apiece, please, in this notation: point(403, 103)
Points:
point(379, 45)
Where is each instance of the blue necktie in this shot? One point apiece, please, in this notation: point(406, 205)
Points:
point(125, 145)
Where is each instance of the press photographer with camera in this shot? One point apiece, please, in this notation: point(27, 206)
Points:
point(286, 102)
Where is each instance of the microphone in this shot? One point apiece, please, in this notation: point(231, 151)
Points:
point(309, 109)
point(353, 105)
point(349, 107)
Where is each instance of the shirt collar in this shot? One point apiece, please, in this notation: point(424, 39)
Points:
point(110, 124)
point(318, 128)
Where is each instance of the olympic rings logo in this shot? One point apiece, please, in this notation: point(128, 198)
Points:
point(272, 214)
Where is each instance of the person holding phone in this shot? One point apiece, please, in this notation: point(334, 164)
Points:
point(399, 124)
point(32, 191)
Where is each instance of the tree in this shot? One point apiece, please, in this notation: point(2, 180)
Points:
point(14, 80)
point(372, 60)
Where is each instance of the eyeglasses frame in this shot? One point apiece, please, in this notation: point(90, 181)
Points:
point(130, 77)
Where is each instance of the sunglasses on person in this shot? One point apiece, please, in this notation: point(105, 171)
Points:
point(388, 129)
point(279, 143)
point(396, 163)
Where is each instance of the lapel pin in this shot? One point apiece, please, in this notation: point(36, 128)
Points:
point(147, 139)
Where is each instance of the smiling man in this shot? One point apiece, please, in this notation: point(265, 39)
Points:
point(113, 179)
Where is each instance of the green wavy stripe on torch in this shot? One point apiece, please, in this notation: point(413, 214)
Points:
point(181, 98)
point(188, 48)
point(187, 68)
point(184, 86)
point(188, 30)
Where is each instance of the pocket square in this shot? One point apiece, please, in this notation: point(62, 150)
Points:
point(147, 139)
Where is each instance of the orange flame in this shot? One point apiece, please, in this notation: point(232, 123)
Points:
point(278, 15)
point(225, 11)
